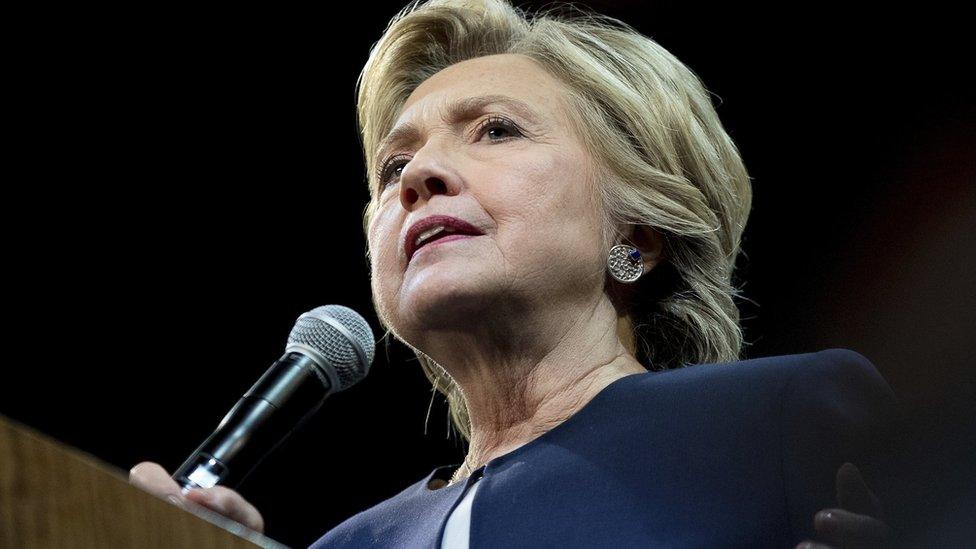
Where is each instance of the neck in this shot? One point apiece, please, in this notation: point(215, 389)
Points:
point(520, 383)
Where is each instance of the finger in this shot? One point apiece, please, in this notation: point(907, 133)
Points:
point(844, 529)
point(229, 503)
point(152, 478)
point(808, 544)
point(854, 495)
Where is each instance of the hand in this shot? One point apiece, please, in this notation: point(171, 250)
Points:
point(860, 522)
point(152, 478)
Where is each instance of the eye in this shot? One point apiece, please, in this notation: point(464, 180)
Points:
point(498, 129)
point(392, 167)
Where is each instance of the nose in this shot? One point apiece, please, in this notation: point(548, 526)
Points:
point(428, 173)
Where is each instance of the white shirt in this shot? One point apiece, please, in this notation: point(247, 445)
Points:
point(457, 532)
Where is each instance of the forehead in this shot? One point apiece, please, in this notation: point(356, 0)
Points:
point(511, 75)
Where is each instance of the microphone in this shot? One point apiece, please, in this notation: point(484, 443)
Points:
point(329, 350)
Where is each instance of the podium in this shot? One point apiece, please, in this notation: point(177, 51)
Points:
point(52, 495)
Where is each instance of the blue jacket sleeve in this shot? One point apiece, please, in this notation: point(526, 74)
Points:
point(835, 408)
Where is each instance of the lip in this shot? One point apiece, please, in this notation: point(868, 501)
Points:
point(460, 227)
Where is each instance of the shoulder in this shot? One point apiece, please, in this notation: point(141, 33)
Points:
point(839, 377)
point(830, 371)
point(829, 394)
point(819, 363)
point(815, 411)
point(827, 408)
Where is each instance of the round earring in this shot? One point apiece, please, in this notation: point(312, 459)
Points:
point(625, 263)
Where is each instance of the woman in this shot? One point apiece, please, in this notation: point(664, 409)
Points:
point(555, 216)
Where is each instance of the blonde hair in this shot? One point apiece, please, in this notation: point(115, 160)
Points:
point(668, 163)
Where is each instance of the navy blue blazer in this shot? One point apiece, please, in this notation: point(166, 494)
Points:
point(738, 454)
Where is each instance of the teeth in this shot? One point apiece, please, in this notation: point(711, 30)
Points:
point(431, 232)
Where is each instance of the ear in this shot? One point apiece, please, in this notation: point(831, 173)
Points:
point(650, 243)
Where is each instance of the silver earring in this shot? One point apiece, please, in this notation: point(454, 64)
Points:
point(625, 263)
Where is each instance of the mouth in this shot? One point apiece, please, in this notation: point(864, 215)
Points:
point(437, 228)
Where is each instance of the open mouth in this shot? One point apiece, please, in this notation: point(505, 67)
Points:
point(442, 238)
point(437, 229)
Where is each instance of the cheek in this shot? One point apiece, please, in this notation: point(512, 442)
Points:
point(385, 286)
point(548, 207)
point(384, 261)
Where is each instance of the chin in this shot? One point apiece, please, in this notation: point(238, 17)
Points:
point(438, 298)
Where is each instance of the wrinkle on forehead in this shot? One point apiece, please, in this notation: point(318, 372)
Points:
point(516, 76)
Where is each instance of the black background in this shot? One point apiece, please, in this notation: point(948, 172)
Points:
point(182, 184)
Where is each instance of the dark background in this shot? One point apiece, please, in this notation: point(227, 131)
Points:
point(182, 184)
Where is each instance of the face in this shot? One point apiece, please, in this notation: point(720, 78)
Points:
point(488, 142)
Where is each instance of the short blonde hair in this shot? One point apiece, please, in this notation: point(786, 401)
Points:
point(667, 162)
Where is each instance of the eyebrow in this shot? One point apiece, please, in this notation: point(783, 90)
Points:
point(462, 110)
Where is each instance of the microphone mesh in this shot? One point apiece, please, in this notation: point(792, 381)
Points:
point(313, 331)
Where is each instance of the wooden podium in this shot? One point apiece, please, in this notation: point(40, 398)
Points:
point(55, 496)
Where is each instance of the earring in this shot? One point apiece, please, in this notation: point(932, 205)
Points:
point(625, 263)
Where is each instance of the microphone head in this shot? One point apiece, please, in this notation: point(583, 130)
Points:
point(338, 339)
